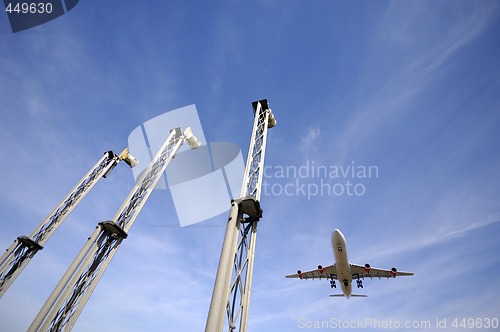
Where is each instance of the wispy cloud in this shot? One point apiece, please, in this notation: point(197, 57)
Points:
point(310, 140)
point(433, 238)
point(415, 72)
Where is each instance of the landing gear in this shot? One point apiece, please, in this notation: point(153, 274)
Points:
point(359, 283)
point(332, 284)
point(346, 283)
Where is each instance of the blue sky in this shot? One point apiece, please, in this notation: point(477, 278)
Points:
point(410, 87)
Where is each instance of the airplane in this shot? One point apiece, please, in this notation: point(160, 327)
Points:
point(344, 271)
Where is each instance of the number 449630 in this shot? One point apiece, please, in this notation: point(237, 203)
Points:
point(475, 323)
point(32, 8)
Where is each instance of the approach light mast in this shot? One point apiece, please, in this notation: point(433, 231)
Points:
point(233, 283)
point(20, 253)
point(64, 305)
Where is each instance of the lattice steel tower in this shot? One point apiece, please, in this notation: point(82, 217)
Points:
point(233, 283)
point(20, 253)
point(64, 305)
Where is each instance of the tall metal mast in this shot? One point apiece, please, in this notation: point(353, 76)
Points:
point(20, 253)
point(66, 302)
point(231, 294)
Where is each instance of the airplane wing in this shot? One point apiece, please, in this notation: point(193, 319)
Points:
point(328, 272)
point(359, 271)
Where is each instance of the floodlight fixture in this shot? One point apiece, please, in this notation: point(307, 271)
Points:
point(271, 121)
point(128, 158)
point(193, 142)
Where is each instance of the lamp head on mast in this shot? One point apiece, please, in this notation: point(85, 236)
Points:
point(191, 139)
point(271, 121)
point(128, 158)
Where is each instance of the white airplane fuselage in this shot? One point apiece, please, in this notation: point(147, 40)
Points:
point(341, 262)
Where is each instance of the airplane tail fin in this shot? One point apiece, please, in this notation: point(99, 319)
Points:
point(352, 295)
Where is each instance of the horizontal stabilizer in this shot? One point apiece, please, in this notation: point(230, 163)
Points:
point(352, 295)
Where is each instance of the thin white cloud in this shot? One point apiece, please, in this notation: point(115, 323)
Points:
point(433, 238)
point(418, 71)
point(310, 140)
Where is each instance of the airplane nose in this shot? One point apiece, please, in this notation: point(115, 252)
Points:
point(336, 235)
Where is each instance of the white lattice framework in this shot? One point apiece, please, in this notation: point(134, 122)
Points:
point(231, 296)
point(20, 253)
point(66, 302)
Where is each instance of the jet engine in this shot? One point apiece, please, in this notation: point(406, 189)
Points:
point(394, 272)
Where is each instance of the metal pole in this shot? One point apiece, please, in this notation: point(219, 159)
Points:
point(231, 293)
point(220, 294)
point(253, 236)
point(56, 293)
